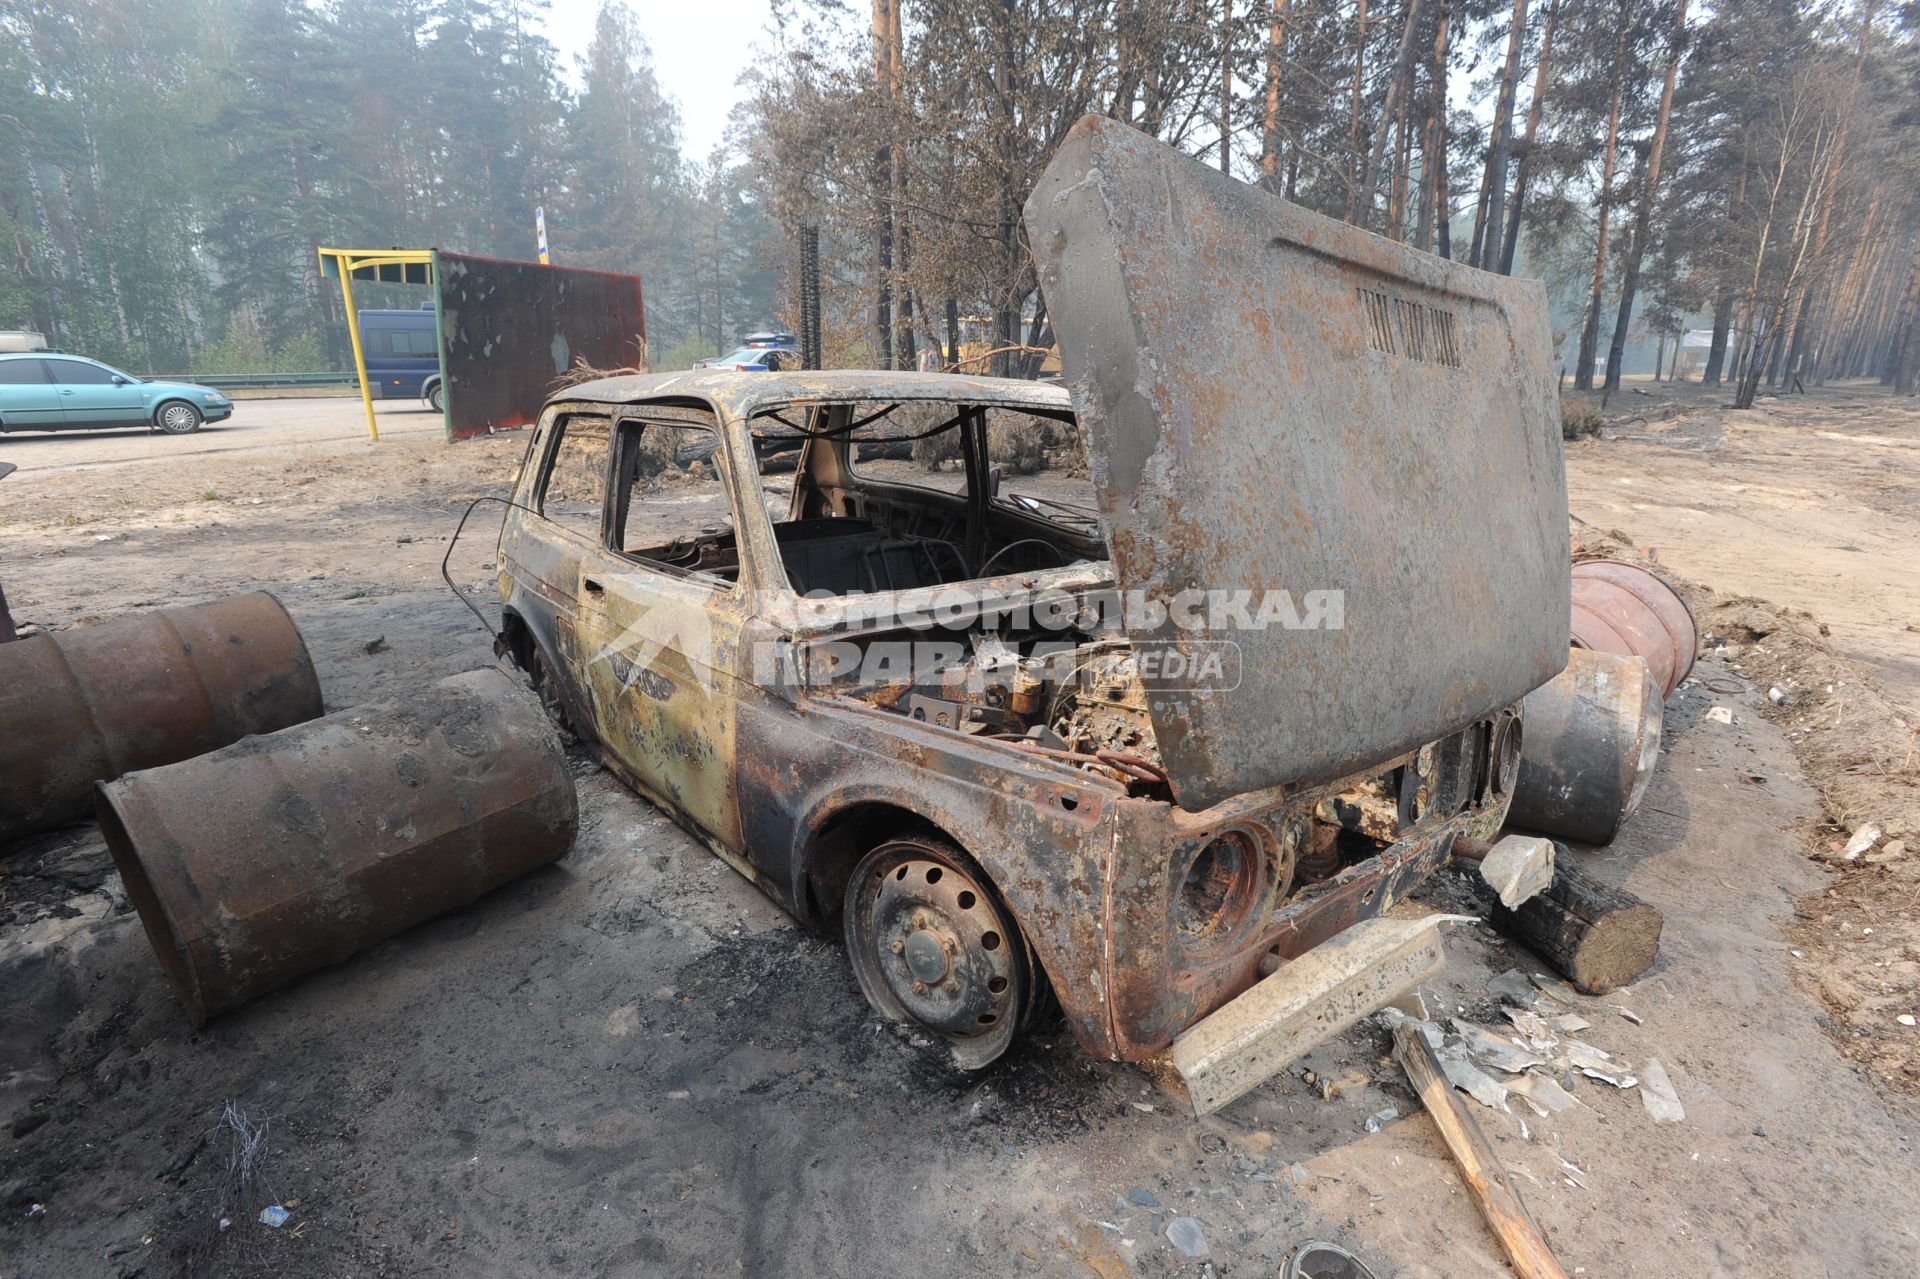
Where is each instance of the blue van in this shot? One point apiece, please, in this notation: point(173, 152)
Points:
point(402, 350)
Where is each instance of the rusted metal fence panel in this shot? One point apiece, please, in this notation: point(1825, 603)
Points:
point(1277, 401)
point(509, 329)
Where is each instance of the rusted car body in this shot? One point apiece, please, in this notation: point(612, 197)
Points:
point(998, 822)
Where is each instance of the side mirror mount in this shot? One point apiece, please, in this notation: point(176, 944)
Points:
point(121, 380)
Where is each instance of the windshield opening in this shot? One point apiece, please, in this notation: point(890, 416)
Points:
point(869, 496)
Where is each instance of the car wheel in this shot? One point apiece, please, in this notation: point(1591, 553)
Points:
point(932, 946)
point(437, 399)
point(177, 417)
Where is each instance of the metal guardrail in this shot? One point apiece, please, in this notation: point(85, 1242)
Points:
point(255, 381)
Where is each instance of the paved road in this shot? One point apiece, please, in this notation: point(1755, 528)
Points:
point(336, 422)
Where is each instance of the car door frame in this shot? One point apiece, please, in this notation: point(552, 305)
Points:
point(659, 650)
point(131, 410)
point(47, 417)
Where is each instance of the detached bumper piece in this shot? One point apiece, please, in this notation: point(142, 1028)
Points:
point(1308, 1001)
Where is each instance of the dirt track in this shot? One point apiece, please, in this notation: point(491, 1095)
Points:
point(632, 1064)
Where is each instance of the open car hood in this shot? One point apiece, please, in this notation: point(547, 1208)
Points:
point(1275, 401)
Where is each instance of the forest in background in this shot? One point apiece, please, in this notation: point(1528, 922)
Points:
point(1747, 164)
point(167, 168)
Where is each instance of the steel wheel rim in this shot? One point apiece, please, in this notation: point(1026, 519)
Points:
point(932, 947)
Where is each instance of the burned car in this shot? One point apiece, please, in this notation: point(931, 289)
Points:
point(1122, 693)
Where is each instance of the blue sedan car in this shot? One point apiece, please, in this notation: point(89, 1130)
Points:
point(43, 391)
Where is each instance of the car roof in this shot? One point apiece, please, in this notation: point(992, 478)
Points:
point(743, 393)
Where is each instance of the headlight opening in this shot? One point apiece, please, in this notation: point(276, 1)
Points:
point(1219, 891)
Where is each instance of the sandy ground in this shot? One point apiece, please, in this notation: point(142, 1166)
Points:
point(631, 1064)
point(1809, 501)
point(280, 426)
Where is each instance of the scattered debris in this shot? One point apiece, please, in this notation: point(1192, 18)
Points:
point(1518, 868)
point(1891, 851)
point(1721, 715)
point(1513, 987)
point(275, 1216)
point(1863, 839)
point(1491, 1050)
point(1185, 1234)
point(373, 646)
point(1543, 1093)
point(1381, 1118)
point(1469, 1078)
point(1657, 1095)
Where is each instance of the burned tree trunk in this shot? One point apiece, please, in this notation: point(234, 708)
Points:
point(1599, 938)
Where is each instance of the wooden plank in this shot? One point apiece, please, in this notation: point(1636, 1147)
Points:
point(1480, 1167)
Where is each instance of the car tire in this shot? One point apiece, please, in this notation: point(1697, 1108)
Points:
point(177, 417)
point(437, 399)
point(934, 947)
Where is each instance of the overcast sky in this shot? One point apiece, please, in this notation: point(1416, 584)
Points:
point(699, 50)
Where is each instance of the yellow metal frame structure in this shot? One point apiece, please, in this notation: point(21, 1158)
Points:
point(387, 266)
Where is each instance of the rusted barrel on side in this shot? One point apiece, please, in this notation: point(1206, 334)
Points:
point(286, 853)
point(1593, 738)
point(92, 703)
point(1622, 608)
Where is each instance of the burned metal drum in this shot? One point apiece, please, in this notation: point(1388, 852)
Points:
point(138, 692)
point(286, 853)
point(1622, 608)
point(1593, 738)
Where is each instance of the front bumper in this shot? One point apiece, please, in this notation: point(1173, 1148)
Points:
point(1311, 999)
point(1151, 981)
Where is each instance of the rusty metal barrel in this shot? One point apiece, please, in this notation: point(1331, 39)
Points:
point(1592, 740)
point(95, 702)
point(286, 853)
point(1622, 608)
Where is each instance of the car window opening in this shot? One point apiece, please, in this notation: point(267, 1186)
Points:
point(899, 496)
